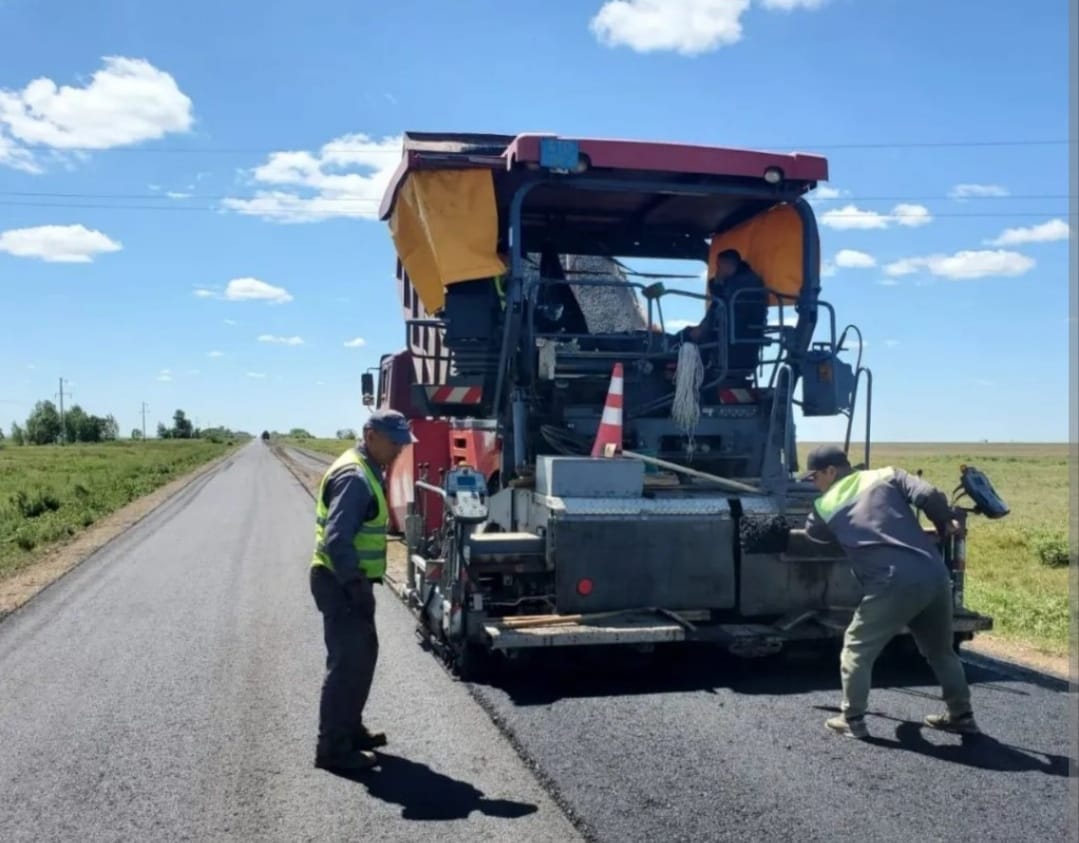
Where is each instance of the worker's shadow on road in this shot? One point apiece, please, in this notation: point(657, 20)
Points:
point(981, 751)
point(424, 794)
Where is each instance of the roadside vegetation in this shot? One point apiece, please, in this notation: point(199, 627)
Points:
point(49, 493)
point(329, 447)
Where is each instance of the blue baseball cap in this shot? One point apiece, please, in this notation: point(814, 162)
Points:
point(393, 424)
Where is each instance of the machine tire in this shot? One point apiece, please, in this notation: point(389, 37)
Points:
point(468, 662)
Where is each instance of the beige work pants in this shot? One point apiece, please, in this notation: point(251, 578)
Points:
point(926, 608)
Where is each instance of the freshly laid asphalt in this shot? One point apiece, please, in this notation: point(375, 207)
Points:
point(167, 689)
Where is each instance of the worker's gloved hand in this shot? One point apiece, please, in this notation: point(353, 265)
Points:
point(948, 529)
point(361, 595)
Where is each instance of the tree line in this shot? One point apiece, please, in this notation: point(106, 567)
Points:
point(301, 433)
point(45, 426)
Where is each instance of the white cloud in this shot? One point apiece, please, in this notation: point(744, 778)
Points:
point(852, 217)
point(215, 354)
point(851, 259)
point(203, 293)
point(913, 216)
point(358, 342)
point(229, 321)
point(172, 194)
point(346, 178)
point(251, 289)
point(825, 192)
point(256, 374)
point(827, 269)
point(888, 282)
point(165, 375)
point(126, 102)
point(965, 265)
point(15, 157)
point(679, 324)
point(968, 191)
point(688, 27)
point(57, 243)
point(270, 338)
point(1047, 232)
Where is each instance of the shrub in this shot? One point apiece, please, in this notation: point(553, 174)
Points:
point(36, 503)
point(1051, 547)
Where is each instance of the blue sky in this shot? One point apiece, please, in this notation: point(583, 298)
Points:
point(151, 234)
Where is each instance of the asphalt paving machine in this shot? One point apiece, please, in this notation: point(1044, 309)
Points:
point(592, 478)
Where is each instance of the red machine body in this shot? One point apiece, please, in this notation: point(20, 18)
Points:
point(443, 442)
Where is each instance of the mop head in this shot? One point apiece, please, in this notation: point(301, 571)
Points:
point(764, 533)
point(686, 409)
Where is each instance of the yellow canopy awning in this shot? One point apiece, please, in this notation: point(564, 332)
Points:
point(444, 226)
point(771, 243)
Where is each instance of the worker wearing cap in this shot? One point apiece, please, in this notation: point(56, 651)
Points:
point(748, 312)
point(350, 557)
point(903, 576)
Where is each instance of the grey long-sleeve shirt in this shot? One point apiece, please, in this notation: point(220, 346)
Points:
point(350, 501)
point(869, 515)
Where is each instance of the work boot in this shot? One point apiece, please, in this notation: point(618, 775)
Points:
point(357, 759)
point(962, 724)
point(850, 727)
point(340, 755)
point(366, 740)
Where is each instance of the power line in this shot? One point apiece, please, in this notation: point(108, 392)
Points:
point(770, 146)
point(367, 200)
point(60, 395)
point(327, 208)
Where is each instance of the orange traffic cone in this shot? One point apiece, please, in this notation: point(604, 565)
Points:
point(609, 436)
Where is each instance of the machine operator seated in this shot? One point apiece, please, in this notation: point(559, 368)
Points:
point(750, 315)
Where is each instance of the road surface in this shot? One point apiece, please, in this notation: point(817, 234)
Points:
point(167, 689)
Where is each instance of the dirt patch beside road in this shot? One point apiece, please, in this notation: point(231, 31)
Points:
point(990, 645)
point(21, 586)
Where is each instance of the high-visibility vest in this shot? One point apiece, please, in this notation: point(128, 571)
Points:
point(370, 541)
point(848, 489)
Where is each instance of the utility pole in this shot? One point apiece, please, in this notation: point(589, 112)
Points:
point(60, 395)
point(144, 421)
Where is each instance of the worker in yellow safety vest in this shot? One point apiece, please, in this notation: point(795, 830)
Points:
point(351, 515)
point(903, 577)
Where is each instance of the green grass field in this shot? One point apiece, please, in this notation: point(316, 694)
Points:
point(50, 493)
point(330, 447)
point(1016, 567)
